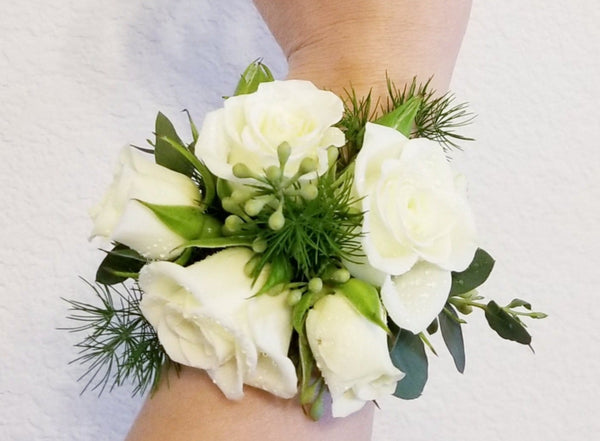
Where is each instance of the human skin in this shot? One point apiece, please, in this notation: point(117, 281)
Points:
point(337, 44)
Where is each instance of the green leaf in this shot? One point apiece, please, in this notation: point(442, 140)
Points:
point(453, 337)
point(515, 303)
point(119, 264)
point(402, 118)
point(164, 153)
point(408, 355)
point(280, 272)
point(254, 74)
point(186, 221)
point(306, 302)
point(219, 242)
point(477, 273)
point(192, 146)
point(506, 325)
point(365, 298)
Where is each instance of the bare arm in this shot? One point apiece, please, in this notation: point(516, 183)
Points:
point(335, 44)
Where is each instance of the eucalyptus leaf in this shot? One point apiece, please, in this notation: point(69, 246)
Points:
point(186, 221)
point(477, 273)
point(453, 337)
point(119, 264)
point(408, 355)
point(164, 153)
point(365, 298)
point(506, 325)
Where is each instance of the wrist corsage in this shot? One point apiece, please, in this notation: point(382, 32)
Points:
point(300, 244)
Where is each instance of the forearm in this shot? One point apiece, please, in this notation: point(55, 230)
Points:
point(338, 43)
point(190, 407)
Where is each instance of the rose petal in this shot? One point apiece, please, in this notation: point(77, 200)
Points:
point(415, 298)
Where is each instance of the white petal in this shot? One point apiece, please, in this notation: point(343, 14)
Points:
point(415, 298)
point(380, 143)
point(229, 378)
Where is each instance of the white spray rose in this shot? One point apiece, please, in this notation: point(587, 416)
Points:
point(415, 211)
point(119, 217)
point(352, 354)
point(206, 317)
point(250, 128)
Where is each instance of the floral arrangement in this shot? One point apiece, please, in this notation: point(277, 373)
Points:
point(300, 244)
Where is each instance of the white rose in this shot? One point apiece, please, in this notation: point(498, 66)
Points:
point(352, 354)
point(250, 128)
point(119, 217)
point(415, 211)
point(206, 317)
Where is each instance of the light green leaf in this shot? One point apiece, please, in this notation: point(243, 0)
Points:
point(365, 298)
point(187, 221)
point(477, 273)
point(254, 74)
point(280, 272)
point(219, 242)
point(515, 303)
point(402, 118)
point(408, 355)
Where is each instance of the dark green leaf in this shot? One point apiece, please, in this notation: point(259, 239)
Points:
point(506, 325)
point(408, 355)
point(433, 327)
point(164, 152)
point(452, 334)
point(365, 298)
point(477, 273)
point(118, 265)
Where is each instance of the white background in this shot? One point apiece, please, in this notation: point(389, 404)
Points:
point(80, 78)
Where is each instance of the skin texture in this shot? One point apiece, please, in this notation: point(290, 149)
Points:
point(336, 44)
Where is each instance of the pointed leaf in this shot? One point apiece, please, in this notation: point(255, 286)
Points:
point(280, 272)
point(219, 242)
point(453, 337)
point(194, 129)
point(505, 325)
point(164, 153)
point(188, 222)
point(254, 74)
point(306, 302)
point(119, 264)
point(365, 298)
point(408, 355)
point(477, 273)
point(515, 303)
point(402, 118)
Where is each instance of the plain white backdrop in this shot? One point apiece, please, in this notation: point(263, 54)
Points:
point(81, 78)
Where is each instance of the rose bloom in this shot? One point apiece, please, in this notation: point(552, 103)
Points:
point(206, 317)
point(416, 211)
point(120, 217)
point(351, 353)
point(249, 129)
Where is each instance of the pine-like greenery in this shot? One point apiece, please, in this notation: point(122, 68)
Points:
point(120, 345)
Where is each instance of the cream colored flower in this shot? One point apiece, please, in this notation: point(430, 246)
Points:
point(120, 217)
point(351, 353)
point(206, 317)
point(250, 128)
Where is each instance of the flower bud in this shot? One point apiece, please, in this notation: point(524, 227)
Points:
point(309, 192)
point(276, 220)
point(259, 245)
point(241, 170)
point(273, 173)
point(315, 284)
point(308, 165)
point(340, 276)
point(233, 224)
point(253, 207)
point(294, 297)
point(464, 308)
point(241, 194)
point(230, 205)
point(283, 153)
